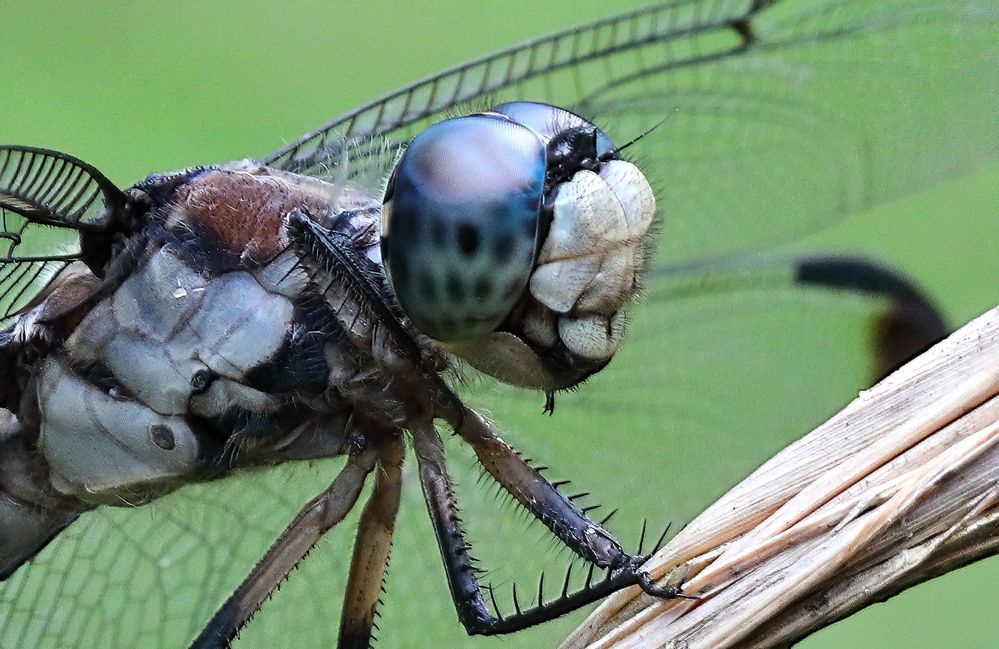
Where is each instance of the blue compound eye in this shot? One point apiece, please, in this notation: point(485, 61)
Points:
point(460, 224)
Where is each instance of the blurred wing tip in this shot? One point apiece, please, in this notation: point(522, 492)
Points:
point(910, 321)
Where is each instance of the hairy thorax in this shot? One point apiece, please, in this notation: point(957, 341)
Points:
point(205, 350)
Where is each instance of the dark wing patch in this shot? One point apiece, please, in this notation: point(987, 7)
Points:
point(896, 318)
point(46, 199)
point(907, 323)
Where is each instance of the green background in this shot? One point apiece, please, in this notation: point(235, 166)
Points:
point(135, 88)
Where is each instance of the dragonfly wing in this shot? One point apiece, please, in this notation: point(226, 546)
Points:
point(724, 364)
point(120, 577)
point(901, 320)
point(781, 116)
point(46, 199)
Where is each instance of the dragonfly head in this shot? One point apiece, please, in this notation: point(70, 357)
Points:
point(515, 237)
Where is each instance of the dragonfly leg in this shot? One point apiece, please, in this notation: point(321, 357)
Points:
point(298, 539)
point(577, 531)
point(466, 590)
point(371, 549)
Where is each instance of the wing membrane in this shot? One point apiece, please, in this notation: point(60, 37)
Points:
point(46, 198)
point(684, 410)
point(783, 116)
point(119, 580)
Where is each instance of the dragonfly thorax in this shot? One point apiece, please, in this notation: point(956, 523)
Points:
point(205, 348)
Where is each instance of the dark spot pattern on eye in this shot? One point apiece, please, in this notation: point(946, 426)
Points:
point(464, 249)
point(483, 288)
point(454, 288)
point(503, 248)
point(410, 232)
point(438, 232)
point(468, 239)
point(428, 287)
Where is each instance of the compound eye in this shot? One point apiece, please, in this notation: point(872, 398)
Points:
point(460, 224)
point(550, 121)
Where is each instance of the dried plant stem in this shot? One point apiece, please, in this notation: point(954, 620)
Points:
point(899, 487)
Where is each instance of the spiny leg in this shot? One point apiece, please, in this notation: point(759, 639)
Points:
point(371, 549)
point(332, 256)
point(535, 493)
point(298, 539)
point(466, 590)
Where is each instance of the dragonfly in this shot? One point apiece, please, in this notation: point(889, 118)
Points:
point(765, 138)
